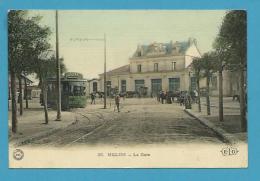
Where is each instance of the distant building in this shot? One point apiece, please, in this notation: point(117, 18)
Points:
point(33, 91)
point(231, 84)
point(24, 79)
point(155, 67)
point(93, 86)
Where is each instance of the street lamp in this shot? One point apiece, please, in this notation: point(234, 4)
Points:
point(105, 66)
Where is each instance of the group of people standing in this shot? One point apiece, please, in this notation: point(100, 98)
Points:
point(161, 96)
point(182, 97)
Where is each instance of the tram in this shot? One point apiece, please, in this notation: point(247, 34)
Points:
point(73, 91)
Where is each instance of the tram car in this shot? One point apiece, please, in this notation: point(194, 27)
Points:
point(73, 91)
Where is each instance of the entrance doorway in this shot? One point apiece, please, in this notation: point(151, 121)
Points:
point(156, 86)
point(94, 86)
point(174, 84)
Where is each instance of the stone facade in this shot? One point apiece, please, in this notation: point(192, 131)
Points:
point(163, 66)
point(155, 67)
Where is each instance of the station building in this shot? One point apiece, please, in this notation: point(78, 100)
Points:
point(155, 67)
point(162, 66)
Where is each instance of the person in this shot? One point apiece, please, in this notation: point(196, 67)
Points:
point(182, 98)
point(162, 97)
point(117, 102)
point(168, 97)
point(187, 101)
point(159, 96)
point(93, 98)
point(196, 94)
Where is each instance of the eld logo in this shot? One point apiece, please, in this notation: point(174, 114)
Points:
point(228, 151)
point(18, 154)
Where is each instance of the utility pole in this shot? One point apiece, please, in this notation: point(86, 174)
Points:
point(105, 63)
point(105, 74)
point(58, 72)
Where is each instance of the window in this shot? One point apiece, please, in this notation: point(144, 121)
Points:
point(65, 88)
point(193, 83)
point(139, 84)
point(173, 66)
point(94, 86)
point(156, 67)
point(174, 84)
point(108, 88)
point(76, 90)
point(123, 85)
point(139, 68)
point(156, 86)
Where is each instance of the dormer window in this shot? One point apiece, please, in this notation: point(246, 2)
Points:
point(139, 54)
point(139, 68)
point(156, 67)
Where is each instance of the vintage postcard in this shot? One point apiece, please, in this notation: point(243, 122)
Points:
point(127, 88)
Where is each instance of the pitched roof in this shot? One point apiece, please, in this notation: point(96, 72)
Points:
point(28, 79)
point(120, 70)
point(163, 49)
point(94, 79)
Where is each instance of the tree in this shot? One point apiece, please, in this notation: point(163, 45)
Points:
point(26, 41)
point(208, 67)
point(222, 57)
point(14, 48)
point(232, 39)
point(196, 65)
point(46, 68)
point(26, 92)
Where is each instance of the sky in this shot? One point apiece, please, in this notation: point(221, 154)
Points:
point(125, 30)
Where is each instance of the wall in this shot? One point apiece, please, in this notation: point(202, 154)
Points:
point(230, 84)
point(164, 63)
point(90, 85)
point(164, 76)
point(190, 54)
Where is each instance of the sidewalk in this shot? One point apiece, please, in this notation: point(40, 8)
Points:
point(227, 102)
point(31, 125)
point(230, 129)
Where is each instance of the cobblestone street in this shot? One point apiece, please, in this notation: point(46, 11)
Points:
point(150, 122)
point(141, 121)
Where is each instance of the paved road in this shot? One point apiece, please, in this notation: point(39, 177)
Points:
point(141, 121)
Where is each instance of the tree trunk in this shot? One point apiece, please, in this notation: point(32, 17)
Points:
point(242, 102)
point(26, 93)
point(208, 100)
point(20, 94)
point(14, 108)
point(220, 96)
point(198, 89)
point(44, 97)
